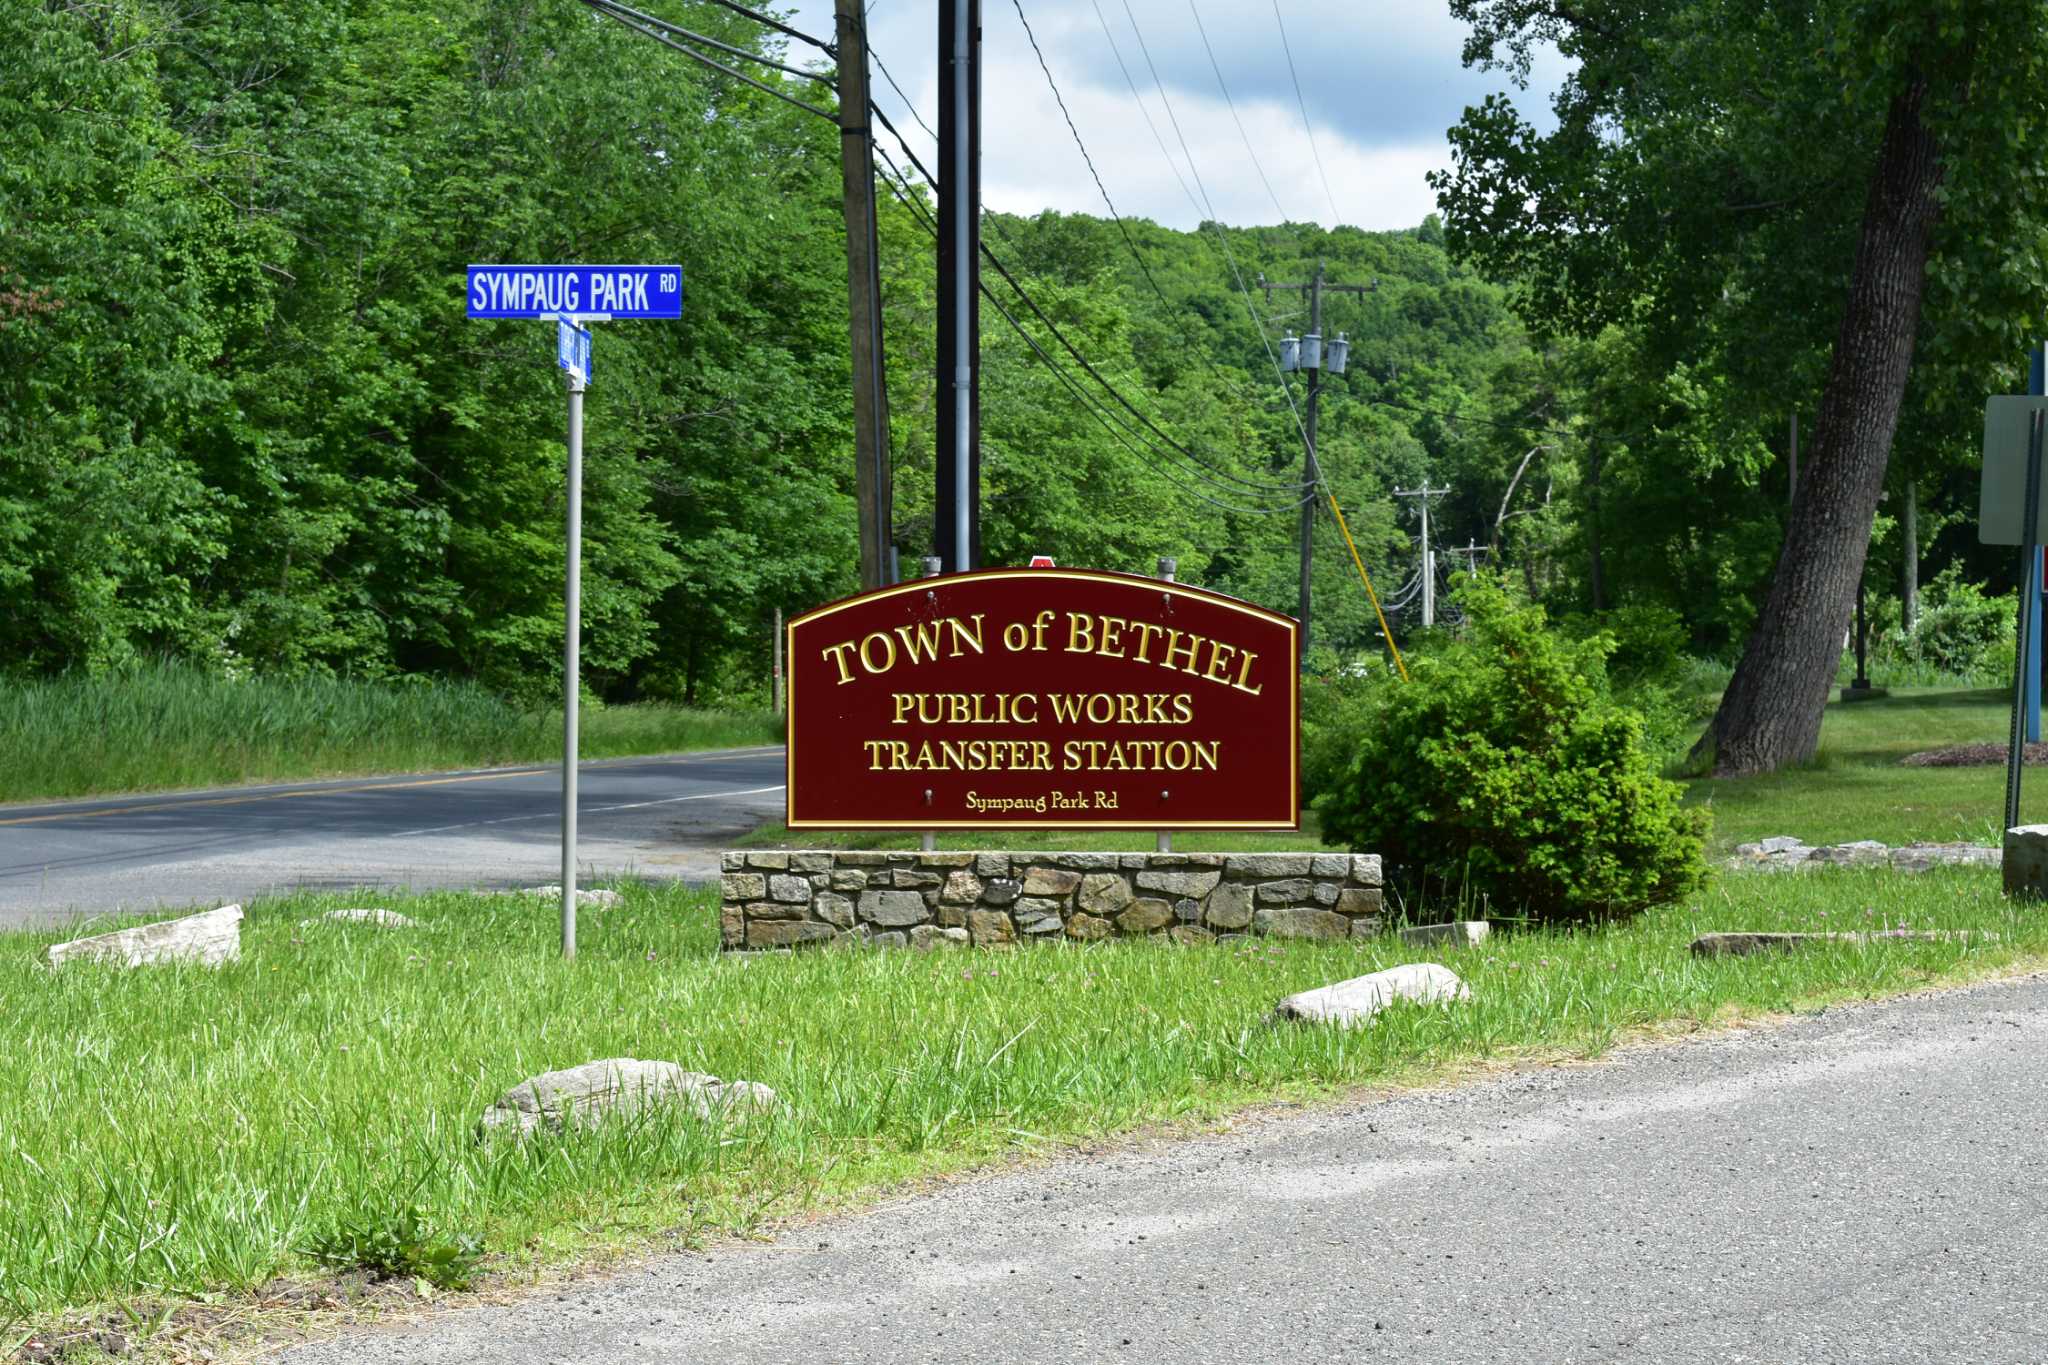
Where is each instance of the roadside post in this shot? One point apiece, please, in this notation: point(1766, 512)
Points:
point(2009, 513)
point(573, 296)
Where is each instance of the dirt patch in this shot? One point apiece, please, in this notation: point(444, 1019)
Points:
point(1970, 756)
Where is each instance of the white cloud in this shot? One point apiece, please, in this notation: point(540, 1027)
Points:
point(1382, 81)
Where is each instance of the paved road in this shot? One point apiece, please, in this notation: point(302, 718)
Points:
point(1866, 1185)
point(497, 827)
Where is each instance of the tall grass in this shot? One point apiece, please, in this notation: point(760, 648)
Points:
point(169, 725)
point(174, 1130)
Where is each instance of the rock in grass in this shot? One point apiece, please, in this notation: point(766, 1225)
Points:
point(1459, 933)
point(208, 939)
point(1354, 1002)
point(616, 1087)
point(1743, 944)
point(382, 919)
point(598, 899)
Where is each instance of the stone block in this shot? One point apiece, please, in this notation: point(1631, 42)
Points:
point(1462, 933)
point(1333, 865)
point(914, 878)
point(849, 879)
point(2026, 862)
point(732, 927)
point(962, 888)
point(1359, 900)
point(833, 909)
point(771, 862)
point(811, 861)
point(1229, 906)
point(1263, 865)
point(950, 916)
point(773, 910)
point(1324, 893)
point(1354, 1002)
point(1365, 869)
point(742, 886)
point(1131, 862)
point(1366, 926)
point(617, 1086)
point(1289, 892)
point(1190, 934)
point(925, 937)
point(1001, 890)
point(1104, 893)
point(991, 864)
point(1300, 923)
point(1050, 881)
point(988, 928)
point(888, 938)
point(795, 890)
point(1031, 921)
point(1196, 884)
point(1188, 910)
point(1144, 916)
point(1085, 862)
point(1216, 860)
point(731, 862)
point(787, 933)
point(945, 861)
point(893, 909)
point(868, 860)
point(1088, 928)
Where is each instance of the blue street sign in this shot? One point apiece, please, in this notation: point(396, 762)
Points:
point(572, 349)
point(591, 291)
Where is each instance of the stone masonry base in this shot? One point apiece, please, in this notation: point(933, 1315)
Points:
point(930, 900)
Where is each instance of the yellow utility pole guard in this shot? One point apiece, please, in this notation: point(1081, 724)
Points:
point(1366, 579)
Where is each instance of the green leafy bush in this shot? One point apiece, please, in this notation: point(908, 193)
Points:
point(1964, 635)
point(401, 1245)
point(1505, 769)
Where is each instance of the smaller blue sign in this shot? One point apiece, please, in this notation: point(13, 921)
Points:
point(572, 350)
point(606, 291)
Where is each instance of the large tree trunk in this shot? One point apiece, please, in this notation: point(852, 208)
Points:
point(1771, 713)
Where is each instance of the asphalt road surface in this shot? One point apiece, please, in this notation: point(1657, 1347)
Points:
point(1864, 1185)
point(491, 828)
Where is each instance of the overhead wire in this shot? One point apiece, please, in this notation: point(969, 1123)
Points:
point(632, 19)
point(1307, 127)
point(1200, 467)
point(1094, 406)
point(1231, 104)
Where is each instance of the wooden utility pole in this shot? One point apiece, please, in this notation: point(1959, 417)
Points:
point(957, 533)
point(864, 298)
point(1309, 354)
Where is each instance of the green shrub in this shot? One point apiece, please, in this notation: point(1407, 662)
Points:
point(1964, 635)
point(1506, 770)
point(401, 1245)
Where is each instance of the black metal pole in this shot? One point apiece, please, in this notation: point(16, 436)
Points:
point(958, 481)
point(1862, 683)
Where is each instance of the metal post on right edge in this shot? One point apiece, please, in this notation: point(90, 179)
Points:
point(2030, 558)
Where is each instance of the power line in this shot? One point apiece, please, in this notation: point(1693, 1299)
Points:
point(630, 18)
point(778, 26)
point(1306, 125)
point(1060, 99)
point(1093, 406)
point(1232, 105)
point(1202, 467)
point(654, 21)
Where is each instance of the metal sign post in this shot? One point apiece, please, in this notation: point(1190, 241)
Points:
point(572, 295)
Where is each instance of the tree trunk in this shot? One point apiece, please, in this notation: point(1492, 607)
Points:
point(1909, 551)
point(1771, 713)
point(1596, 570)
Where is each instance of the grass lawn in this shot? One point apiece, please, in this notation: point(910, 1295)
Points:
point(173, 1131)
point(1856, 789)
point(169, 726)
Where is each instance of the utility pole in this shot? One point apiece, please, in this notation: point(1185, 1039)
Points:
point(1306, 352)
point(864, 298)
point(1471, 549)
point(1423, 495)
point(958, 538)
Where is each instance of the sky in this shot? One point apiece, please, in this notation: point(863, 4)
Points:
point(1381, 80)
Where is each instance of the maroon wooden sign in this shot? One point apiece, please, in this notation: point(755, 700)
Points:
point(1043, 697)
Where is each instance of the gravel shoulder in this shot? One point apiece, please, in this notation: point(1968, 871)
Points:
point(1859, 1184)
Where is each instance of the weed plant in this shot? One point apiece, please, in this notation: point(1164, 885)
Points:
point(170, 725)
point(175, 1130)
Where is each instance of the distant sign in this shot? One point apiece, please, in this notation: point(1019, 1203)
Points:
point(2003, 491)
point(591, 291)
point(1042, 562)
point(572, 350)
point(1043, 697)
